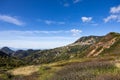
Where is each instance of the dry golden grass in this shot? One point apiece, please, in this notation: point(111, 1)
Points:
point(117, 63)
point(44, 74)
point(46, 71)
point(27, 70)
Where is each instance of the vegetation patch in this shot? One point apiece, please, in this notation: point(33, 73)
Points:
point(88, 71)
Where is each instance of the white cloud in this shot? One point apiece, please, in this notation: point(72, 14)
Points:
point(115, 9)
point(11, 19)
point(50, 22)
point(75, 32)
point(86, 19)
point(76, 1)
point(111, 17)
point(114, 15)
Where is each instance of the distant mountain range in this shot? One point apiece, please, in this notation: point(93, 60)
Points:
point(7, 50)
point(88, 46)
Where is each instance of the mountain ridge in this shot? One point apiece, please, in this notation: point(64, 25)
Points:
point(88, 46)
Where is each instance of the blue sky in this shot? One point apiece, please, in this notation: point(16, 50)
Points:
point(41, 24)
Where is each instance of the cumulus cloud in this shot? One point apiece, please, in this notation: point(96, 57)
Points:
point(115, 9)
point(75, 32)
point(111, 17)
point(10, 19)
point(114, 15)
point(86, 19)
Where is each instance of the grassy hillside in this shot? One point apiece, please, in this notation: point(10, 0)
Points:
point(89, 46)
point(97, 68)
point(73, 50)
point(89, 58)
point(8, 62)
point(89, 71)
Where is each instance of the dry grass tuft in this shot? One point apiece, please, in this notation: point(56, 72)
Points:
point(27, 70)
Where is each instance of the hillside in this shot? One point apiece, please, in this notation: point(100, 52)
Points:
point(2, 54)
point(24, 53)
point(108, 45)
point(8, 62)
point(87, 40)
point(88, 58)
point(73, 50)
point(88, 46)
